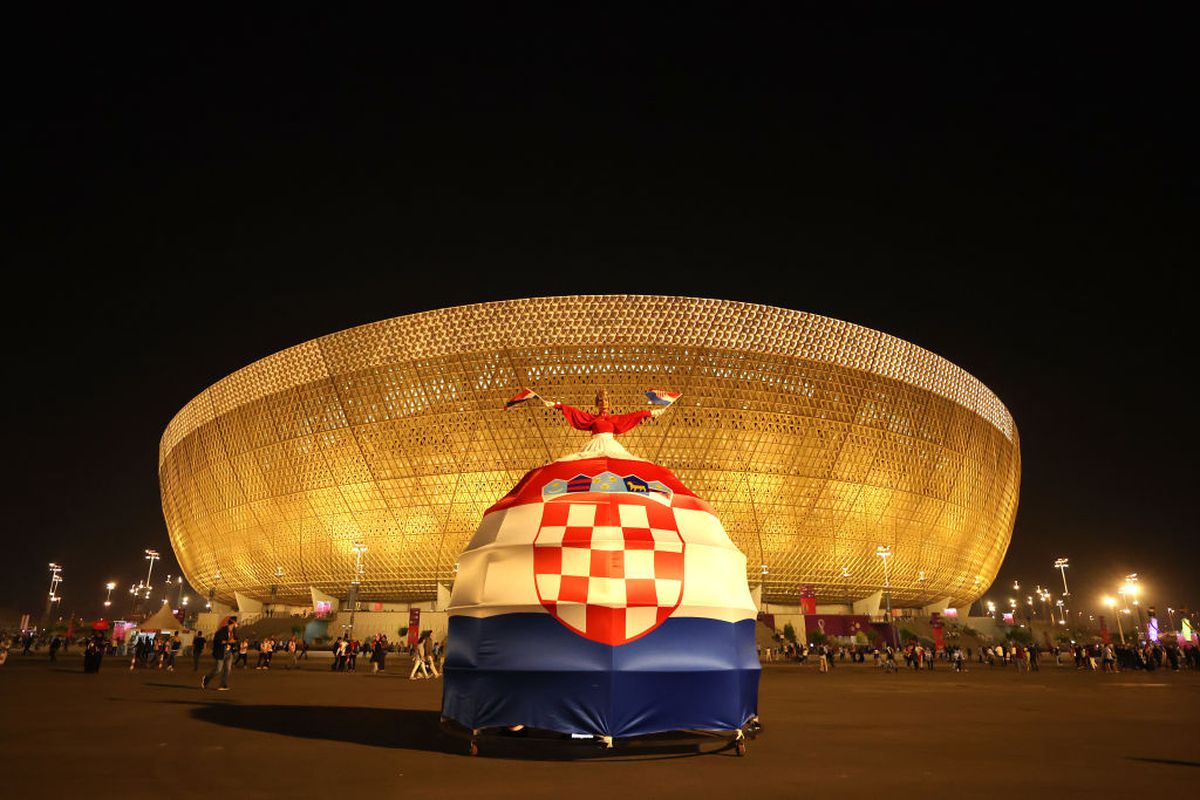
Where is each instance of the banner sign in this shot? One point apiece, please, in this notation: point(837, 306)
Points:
point(808, 599)
point(1008, 618)
point(1104, 631)
point(414, 626)
point(838, 624)
point(935, 622)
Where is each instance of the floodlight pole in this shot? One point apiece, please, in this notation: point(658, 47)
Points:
point(885, 553)
point(359, 548)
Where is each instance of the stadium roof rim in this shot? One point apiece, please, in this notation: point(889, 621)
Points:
point(642, 319)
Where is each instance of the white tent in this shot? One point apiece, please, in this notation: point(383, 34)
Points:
point(162, 620)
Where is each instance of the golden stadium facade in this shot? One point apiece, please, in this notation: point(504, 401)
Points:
point(815, 440)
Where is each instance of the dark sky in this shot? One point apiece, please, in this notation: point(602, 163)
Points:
point(1015, 194)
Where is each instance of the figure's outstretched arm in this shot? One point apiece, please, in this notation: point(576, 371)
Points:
point(580, 420)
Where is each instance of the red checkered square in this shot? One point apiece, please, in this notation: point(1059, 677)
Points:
point(609, 568)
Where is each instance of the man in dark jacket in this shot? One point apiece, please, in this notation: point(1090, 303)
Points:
point(197, 650)
point(224, 642)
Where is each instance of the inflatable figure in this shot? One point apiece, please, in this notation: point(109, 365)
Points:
point(601, 597)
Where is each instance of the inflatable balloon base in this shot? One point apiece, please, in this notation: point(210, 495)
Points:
point(499, 741)
point(600, 600)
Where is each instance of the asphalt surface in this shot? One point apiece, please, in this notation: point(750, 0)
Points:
point(852, 733)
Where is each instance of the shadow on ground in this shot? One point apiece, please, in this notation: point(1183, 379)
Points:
point(409, 729)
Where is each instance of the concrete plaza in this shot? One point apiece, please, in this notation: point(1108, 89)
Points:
point(854, 732)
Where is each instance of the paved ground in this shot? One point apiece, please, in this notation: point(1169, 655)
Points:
point(853, 733)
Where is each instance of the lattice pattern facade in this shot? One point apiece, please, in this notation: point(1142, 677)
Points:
point(814, 439)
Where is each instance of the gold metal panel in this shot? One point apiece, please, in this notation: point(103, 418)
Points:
point(815, 439)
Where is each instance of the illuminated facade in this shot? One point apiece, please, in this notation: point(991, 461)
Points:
point(815, 440)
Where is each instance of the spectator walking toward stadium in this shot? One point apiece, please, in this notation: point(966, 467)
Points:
point(223, 643)
point(418, 657)
point(197, 650)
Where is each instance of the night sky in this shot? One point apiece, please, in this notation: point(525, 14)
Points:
point(1017, 195)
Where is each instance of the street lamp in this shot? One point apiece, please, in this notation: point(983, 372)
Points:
point(108, 598)
point(991, 607)
point(1061, 565)
point(1111, 603)
point(151, 556)
point(885, 553)
point(55, 580)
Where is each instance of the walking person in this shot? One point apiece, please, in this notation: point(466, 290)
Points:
point(418, 657)
point(243, 647)
point(197, 650)
point(223, 644)
point(291, 651)
point(55, 644)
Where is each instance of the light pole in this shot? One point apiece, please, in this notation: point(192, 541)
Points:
point(359, 548)
point(108, 598)
point(179, 581)
point(1112, 603)
point(885, 553)
point(991, 607)
point(151, 556)
point(1061, 565)
point(55, 580)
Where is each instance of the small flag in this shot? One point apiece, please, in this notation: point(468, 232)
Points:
point(659, 397)
point(521, 397)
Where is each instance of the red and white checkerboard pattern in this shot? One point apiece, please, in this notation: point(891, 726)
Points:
point(610, 569)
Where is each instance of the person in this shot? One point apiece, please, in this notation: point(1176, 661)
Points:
point(379, 653)
point(242, 648)
point(352, 655)
point(418, 657)
point(265, 649)
point(291, 651)
point(55, 644)
point(958, 659)
point(5, 643)
point(1033, 657)
point(223, 643)
point(197, 650)
point(603, 426)
point(173, 646)
point(431, 656)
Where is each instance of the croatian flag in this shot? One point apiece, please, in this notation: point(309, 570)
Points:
point(659, 397)
point(620, 610)
point(521, 397)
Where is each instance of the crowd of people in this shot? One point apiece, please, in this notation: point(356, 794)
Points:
point(1103, 657)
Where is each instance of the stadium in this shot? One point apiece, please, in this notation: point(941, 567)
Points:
point(815, 440)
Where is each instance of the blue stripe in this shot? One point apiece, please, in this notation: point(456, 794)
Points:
point(529, 669)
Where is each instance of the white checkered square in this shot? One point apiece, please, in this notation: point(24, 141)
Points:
point(550, 536)
point(581, 515)
point(576, 561)
point(666, 540)
point(633, 517)
point(606, 537)
point(548, 586)
point(639, 564)
point(606, 592)
point(667, 591)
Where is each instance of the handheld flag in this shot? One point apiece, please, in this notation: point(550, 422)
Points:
point(660, 397)
point(520, 397)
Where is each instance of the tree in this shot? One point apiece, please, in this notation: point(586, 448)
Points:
point(789, 633)
point(817, 637)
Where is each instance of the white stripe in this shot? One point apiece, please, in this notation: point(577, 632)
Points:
point(495, 574)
